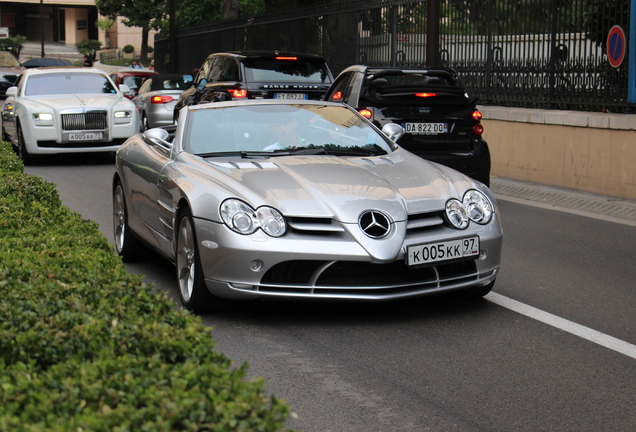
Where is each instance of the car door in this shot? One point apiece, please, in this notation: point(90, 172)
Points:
point(141, 100)
point(9, 113)
point(145, 162)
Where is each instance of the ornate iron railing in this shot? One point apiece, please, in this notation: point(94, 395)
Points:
point(525, 53)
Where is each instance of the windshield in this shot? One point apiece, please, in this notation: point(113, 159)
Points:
point(60, 83)
point(289, 71)
point(273, 130)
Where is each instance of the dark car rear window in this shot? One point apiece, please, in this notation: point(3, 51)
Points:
point(414, 80)
point(292, 71)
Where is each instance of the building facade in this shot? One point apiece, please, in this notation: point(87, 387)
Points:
point(64, 21)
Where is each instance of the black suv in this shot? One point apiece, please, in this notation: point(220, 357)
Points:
point(258, 75)
point(440, 119)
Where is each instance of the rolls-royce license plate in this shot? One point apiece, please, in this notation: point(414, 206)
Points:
point(85, 136)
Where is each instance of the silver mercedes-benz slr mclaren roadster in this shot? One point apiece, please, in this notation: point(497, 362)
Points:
point(300, 200)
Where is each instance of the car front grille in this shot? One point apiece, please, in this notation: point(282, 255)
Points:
point(93, 120)
point(347, 279)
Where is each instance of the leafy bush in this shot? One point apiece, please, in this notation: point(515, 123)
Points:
point(13, 44)
point(150, 49)
point(128, 49)
point(89, 48)
point(85, 345)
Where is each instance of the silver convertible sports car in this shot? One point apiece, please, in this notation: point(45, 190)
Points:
point(66, 110)
point(300, 200)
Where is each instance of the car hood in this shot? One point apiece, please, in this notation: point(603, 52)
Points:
point(341, 188)
point(89, 102)
point(338, 188)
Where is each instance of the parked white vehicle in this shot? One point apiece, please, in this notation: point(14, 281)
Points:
point(67, 110)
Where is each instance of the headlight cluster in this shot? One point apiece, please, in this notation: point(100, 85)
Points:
point(43, 116)
point(243, 219)
point(475, 207)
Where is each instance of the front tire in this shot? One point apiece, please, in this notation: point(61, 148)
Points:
point(193, 293)
point(126, 244)
point(22, 151)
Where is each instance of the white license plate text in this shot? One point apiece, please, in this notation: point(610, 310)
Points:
point(442, 251)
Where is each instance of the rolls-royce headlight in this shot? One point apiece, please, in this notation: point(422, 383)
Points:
point(478, 207)
point(123, 114)
point(456, 214)
point(43, 116)
point(242, 219)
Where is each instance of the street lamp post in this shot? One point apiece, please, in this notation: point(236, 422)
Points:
point(42, 24)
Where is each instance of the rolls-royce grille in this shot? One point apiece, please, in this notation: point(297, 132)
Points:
point(84, 121)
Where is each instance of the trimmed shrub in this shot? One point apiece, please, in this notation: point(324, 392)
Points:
point(128, 49)
point(85, 345)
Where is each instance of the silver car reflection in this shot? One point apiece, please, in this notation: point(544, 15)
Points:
point(300, 200)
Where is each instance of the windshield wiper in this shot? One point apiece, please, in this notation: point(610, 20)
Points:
point(242, 154)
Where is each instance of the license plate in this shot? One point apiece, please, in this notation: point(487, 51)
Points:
point(294, 96)
point(85, 136)
point(442, 251)
point(426, 128)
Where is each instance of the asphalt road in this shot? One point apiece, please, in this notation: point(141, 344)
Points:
point(553, 349)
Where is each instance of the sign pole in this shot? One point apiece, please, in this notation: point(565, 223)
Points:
point(631, 78)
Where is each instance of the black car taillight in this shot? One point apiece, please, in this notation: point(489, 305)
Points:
point(366, 113)
point(477, 115)
point(478, 129)
point(238, 93)
point(425, 95)
point(161, 99)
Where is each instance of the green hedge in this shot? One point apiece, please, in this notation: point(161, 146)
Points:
point(86, 346)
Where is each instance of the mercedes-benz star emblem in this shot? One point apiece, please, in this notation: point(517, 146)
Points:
point(375, 224)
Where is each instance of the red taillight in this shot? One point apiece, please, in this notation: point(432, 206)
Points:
point(477, 115)
point(478, 129)
point(286, 58)
point(366, 113)
point(238, 93)
point(337, 96)
point(425, 94)
point(161, 99)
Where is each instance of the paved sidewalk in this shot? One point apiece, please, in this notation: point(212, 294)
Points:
point(593, 205)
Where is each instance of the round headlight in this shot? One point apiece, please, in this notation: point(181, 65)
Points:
point(456, 214)
point(478, 207)
point(271, 221)
point(241, 218)
point(238, 216)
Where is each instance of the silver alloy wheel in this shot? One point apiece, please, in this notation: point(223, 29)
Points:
point(119, 218)
point(186, 259)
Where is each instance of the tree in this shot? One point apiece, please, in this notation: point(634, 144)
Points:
point(147, 14)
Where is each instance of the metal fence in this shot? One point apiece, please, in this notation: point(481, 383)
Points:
point(524, 53)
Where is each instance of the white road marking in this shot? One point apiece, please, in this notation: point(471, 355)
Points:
point(565, 325)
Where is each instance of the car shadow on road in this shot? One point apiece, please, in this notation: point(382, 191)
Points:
point(72, 159)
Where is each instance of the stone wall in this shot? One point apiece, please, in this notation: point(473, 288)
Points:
point(593, 152)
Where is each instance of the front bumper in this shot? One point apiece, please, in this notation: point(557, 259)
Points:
point(321, 267)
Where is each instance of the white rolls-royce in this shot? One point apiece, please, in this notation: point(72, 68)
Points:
point(67, 110)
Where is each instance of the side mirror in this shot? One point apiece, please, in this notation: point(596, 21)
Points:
point(158, 136)
point(393, 131)
point(12, 91)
